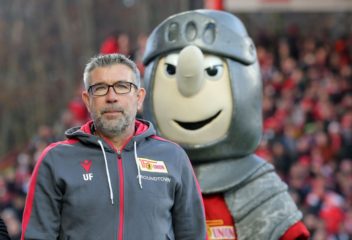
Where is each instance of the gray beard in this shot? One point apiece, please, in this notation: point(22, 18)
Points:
point(112, 128)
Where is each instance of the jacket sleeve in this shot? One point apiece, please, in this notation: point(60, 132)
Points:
point(41, 217)
point(188, 210)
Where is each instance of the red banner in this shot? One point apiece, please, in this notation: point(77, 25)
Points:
point(214, 4)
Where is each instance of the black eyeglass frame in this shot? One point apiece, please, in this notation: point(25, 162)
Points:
point(129, 84)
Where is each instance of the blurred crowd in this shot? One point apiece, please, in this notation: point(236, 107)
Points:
point(307, 109)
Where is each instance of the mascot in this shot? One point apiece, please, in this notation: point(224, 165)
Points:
point(205, 93)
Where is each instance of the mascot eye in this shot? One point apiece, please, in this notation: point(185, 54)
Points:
point(214, 72)
point(170, 69)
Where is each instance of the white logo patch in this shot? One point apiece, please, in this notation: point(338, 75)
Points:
point(152, 165)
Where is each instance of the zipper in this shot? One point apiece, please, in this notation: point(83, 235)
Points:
point(121, 195)
point(121, 187)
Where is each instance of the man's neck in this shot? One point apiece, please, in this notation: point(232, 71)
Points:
point(120, 140)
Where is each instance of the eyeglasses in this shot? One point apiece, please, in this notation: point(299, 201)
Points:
point(120, 87)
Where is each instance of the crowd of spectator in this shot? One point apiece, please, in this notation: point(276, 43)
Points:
point(307, 109)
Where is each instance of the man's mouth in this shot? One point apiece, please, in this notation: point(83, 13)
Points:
point(198, 124)
point(112, 111)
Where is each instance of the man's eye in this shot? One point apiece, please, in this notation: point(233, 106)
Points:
point(100, 88)
point(170, 69)
point(121, 86)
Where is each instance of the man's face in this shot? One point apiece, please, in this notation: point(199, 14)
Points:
point(113, 113)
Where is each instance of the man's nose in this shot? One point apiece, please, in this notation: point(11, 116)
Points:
point(111, 95)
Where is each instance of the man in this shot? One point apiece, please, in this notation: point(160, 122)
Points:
point(113, 178)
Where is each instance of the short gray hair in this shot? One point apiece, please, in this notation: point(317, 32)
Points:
point(108, 60)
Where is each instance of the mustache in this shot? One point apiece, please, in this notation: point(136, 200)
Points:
point(112, 109)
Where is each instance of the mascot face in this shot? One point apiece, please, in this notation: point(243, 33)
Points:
point(192, 98)
point(203, 85)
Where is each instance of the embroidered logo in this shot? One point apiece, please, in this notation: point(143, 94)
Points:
point(87, 164)
point(155, 179)
point(217, 231)
point(152, 165)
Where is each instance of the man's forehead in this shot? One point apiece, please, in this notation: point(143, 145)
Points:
point(114, 66)
point(113, 72)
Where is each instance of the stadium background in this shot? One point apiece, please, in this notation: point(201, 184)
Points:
point(305, 52)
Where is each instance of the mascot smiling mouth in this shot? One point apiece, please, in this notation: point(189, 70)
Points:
point(197, 125)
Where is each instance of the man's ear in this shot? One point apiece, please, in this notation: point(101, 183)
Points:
point(140, 98)
point(85, 98)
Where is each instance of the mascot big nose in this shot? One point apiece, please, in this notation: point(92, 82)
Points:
point(190, 73)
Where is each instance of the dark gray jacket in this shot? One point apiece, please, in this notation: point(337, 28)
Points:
point(83, 188)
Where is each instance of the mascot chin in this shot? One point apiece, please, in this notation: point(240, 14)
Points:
point(205, 93)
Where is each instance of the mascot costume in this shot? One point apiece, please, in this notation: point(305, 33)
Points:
point(205, 93)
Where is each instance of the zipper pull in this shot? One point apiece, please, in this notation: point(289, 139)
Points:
point(119, 154)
